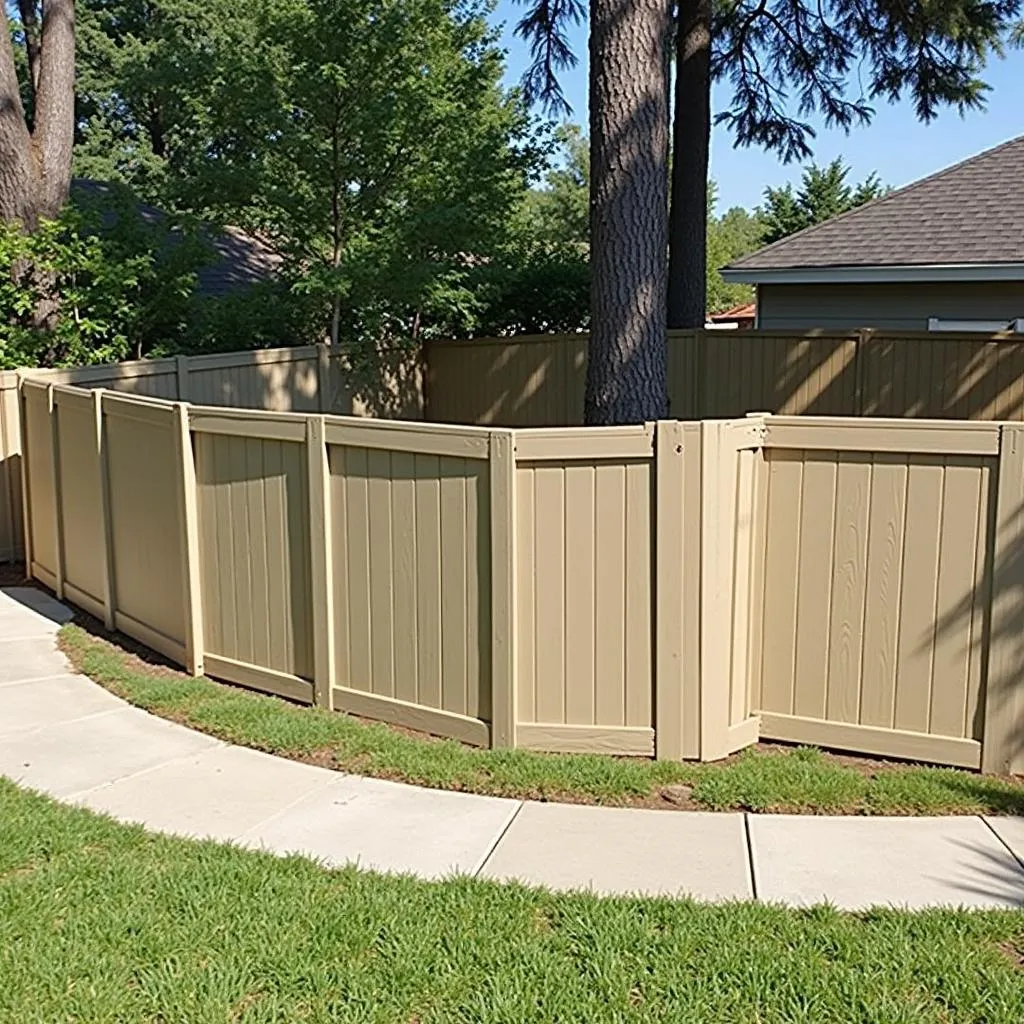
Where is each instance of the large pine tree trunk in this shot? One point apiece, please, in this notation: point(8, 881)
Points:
point(628, 211)
point(691, 136)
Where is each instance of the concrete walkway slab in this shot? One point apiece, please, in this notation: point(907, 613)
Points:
point(386, 826)
point(39, 703)
point(1011, 832)
point(73, 756)
point(28, 612)
point(857, 863)
point(218, 794)
point(622, 850)
point(62, 734)
point(30, 658)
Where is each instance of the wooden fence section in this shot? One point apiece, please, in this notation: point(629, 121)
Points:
point(313, 378)
point(539, 380)
point(878, 559)
point(680, 589)
point(584, 522)
point(410, 520)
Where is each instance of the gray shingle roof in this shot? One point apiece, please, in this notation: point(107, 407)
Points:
point(238, 260)
point(972, 212)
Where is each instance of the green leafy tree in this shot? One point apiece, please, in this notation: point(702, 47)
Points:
point(123, 283)
point(559, 212)
point(371, 142)
point(735, 233)
point(823, 193)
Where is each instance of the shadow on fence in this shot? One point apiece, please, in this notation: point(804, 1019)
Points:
point(539, 381)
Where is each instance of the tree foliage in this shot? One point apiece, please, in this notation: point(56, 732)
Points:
point(370, 142)
point(823, 193)
point(129, 287)
point(788, 61)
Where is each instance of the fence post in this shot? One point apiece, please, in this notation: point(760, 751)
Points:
point(192, 580)
point(669, 468)
point(58, 530)
point(503, 588)
point(321, 562)
point(717, 538)
point(181, 367)
point(105, 540)
point(1002, 747)
point(26, 497)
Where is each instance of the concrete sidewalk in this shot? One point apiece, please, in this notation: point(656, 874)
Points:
point(64, 735)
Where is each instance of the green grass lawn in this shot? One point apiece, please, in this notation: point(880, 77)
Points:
point(101, 922)
point(802, 780)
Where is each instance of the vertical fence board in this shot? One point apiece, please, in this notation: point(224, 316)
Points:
point(358, 541)
point(920, 579)
point(382, 638)
point(782, 561)
point(884, 582)
point(639, 590)
point(526, 593)
point(549, 565)
point(428, 578)
point(610, 595)
point(954, 591)
point(403, 535)
point(454, 613)
point(846, 625)
point(579, 594)
point(817, 545)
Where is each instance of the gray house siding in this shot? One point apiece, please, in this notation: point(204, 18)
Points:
point(894, 306)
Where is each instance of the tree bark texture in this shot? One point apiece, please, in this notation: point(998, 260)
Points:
point(35, 165)
point(626, 371)
point(691, 136)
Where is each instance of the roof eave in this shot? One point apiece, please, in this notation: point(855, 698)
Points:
point(877, 274)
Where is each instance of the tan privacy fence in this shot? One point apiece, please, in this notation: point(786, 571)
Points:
point(676, 589)
point(539, 381)
point(312, 378)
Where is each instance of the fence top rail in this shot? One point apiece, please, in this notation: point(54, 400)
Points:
point(865, 334)
point(253, 357)
point(839, 433)
point(416, 438)
point(71, 391)
point(568, 443)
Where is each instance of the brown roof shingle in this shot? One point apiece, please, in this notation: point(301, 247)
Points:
point(972, 212)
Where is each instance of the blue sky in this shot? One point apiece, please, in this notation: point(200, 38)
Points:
point(895, 145)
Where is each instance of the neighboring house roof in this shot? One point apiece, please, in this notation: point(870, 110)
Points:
point(748, 311)
point(239, 260)
point(963, 223)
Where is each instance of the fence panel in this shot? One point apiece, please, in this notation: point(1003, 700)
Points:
point(411, 551)
point(280, 380)
point(741, 372)
point(83, 531)
point(584, 578)
point(254, 550)
point(146, 524)
point(512, 382)
point(943, 375)
point(876, 590)
point(39, 465)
